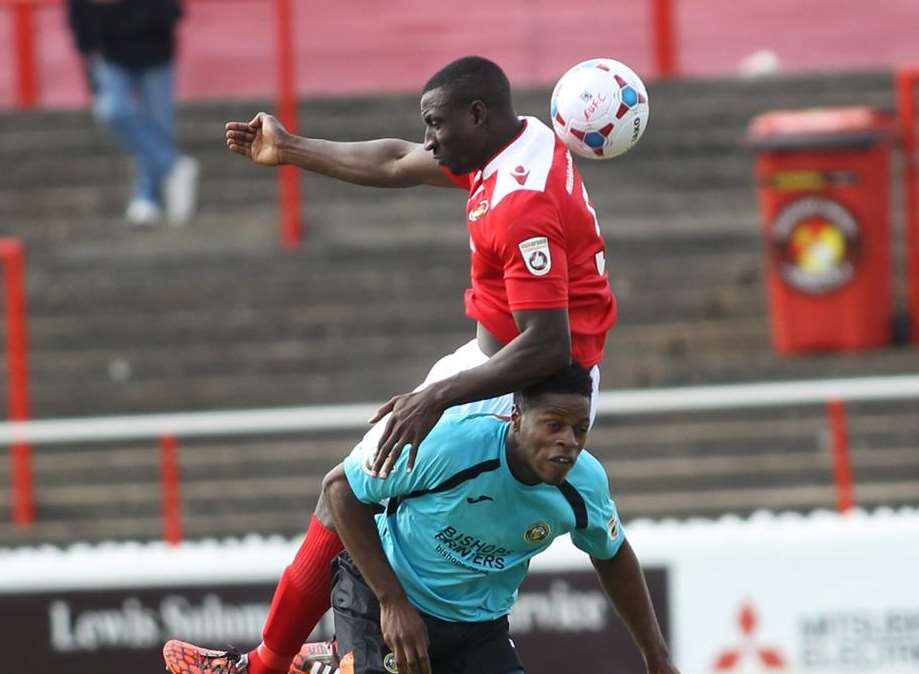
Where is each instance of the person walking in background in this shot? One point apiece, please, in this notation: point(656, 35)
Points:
point(129, 52)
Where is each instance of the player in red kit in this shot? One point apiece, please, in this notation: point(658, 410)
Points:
point(539, 294)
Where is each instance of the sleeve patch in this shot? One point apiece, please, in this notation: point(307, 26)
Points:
point(613, 527)
point(536, 255)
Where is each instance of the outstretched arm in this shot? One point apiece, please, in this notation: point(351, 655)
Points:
point(624, 583)
point(387, 162)
point(402, 626)
point(542, 347)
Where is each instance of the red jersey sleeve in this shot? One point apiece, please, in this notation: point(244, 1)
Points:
point(531, 242)
point(464, 180)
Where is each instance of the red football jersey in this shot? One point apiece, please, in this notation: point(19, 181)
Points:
point(536, 243)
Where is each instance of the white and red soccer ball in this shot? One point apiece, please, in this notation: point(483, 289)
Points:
point(599, 108)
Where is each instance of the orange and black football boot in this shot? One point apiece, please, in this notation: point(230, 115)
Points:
point(185, 658)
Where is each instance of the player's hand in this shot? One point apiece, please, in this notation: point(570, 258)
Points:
point(412, 416)
point(406, 634)
point(256, 140)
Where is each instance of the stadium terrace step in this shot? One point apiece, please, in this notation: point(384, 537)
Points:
point(217, 316)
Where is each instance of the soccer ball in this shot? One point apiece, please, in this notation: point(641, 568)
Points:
point(599, 108)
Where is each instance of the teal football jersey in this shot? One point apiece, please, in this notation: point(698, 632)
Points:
point(460, 529)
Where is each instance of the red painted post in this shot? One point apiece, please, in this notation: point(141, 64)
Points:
point(662, 25)
point(169, 482)
point(17, 378)
point(842, 469)
point(906, 112)
point(288, 178)
point(23, 24)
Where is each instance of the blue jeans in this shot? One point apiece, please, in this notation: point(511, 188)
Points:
point(137, 104)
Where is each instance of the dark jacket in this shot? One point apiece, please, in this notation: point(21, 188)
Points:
point(131, 33)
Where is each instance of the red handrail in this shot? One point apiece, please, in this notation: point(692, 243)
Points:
point(907, 79)
point(288, 178)
point(842, 468)
point(24, 54)
point(11, 255)
point(663, 38)
point(170, 493)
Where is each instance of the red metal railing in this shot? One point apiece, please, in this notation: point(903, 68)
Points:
point(170, 480)
point(839, 446)
point(907, 79)
point(11, 256)
point(664, 42)
point(288, 177)
point(23, 44)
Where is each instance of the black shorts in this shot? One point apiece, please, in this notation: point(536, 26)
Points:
point(455, 648)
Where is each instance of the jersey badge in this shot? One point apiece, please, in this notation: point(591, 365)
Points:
point(601, 262)
point(537, 533)
point(613, 527)
point(478, 210)
point(536, 255)
point(520, 174)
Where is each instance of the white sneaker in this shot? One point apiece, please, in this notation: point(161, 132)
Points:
point(180, 190)
point(142, 213)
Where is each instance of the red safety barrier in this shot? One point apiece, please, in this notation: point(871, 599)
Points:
point(23, 502)
point(289, 178)
point(664, 40)
point(907, 78)
point(23, 43)
point(842, 469)
point(171, 495)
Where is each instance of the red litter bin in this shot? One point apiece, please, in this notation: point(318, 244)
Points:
point(823, 178)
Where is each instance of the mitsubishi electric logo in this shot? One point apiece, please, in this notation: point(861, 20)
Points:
point(736, 657)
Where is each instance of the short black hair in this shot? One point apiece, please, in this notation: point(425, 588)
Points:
point(472, 78)
point(573, 378)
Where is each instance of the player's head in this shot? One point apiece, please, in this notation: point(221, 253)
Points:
point(467, 112)
point(549, 424)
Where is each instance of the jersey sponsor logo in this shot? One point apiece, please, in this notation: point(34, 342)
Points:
point(601, 262)
point(520, 174)
point(536, 255)
point(613, 527)
point(478, 210)
point(469, 551)
point(479, 499)
point(536, 533)
point(389, 663)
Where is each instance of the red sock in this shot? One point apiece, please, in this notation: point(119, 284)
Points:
point(300, 600)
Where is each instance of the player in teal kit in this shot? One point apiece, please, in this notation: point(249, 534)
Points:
point(427, 585)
